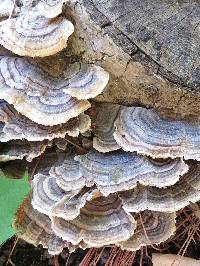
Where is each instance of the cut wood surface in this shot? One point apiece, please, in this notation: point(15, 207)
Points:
point(166, 31)
point(150, 48)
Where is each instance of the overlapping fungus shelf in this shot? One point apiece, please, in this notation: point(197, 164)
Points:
point(105, 173)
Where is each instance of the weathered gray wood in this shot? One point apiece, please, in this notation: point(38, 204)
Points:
point(166, 30)
point(140, 73)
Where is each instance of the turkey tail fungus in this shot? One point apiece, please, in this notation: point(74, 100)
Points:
point(99, 101)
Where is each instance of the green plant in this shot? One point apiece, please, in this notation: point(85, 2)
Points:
point(12, 193)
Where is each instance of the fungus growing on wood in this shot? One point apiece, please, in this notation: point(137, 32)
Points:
point(32, 34)
point(41, 97)
point(50, 199)
point(103, 127)
point(37, 95)
point(152, 228)
point(35, 228)
point(16, 126)
point(101, 221)
point(69, 206)
point(67, 174)
point(45, 193)
point(50, 8)
point(82, 126)
point(93, 200)
point(142, 130)
point(119, 170)
point(85, 81)
point(168, 199)
point(19, 149)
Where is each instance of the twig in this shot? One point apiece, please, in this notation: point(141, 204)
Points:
point(114, 252)
point(144, 229)
point(79, 147)
point(97, 257)
point(132, 258)
point(141, 256)
point(88, 257)
point(12, 250)
point(56, 263)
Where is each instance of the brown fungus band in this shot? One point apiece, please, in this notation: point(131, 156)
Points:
point(152, 228)
point(102, 221)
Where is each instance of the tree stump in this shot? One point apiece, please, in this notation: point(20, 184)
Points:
point(150, 49)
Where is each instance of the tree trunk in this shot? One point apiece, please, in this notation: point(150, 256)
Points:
point(150, 48)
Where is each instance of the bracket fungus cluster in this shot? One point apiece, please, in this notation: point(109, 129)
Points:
point(48, 100)
point(108, 196)
point(138, 171)
point(144, 131)
point(36, 106)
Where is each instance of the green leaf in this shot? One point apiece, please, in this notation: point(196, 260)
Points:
point(12, 193)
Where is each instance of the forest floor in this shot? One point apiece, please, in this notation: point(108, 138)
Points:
point(185, 242)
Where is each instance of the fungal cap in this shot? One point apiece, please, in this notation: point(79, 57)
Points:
point(35, 228)
point(117, 171)
point(152, 228)
point(144, 131)
point(36, 94)
point(31, 34)
point(101, 221)
point(88, 82)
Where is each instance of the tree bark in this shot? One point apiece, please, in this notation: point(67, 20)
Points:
point(150, 48)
